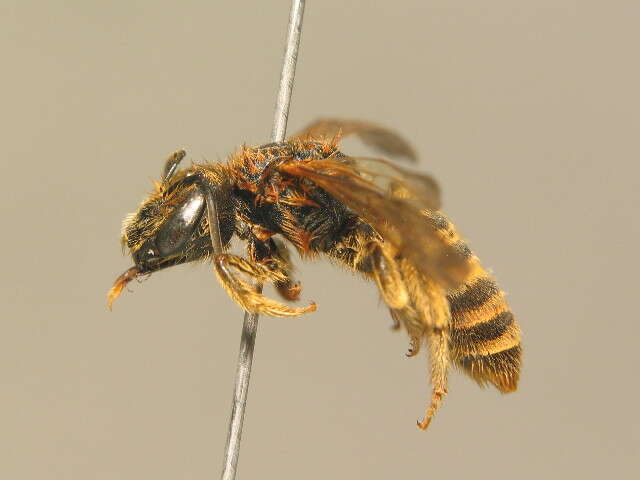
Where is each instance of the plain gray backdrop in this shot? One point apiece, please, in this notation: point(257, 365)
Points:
point(526, 112)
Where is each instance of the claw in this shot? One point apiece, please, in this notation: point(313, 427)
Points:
point(414, 348)
point(290, 291)
point(424, 424)
point(436, 399)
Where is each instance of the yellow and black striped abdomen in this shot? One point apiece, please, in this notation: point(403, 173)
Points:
point(485, 338)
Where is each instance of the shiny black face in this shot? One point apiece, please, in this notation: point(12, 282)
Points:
point(169, 244)
point(165, 231)
point(171, 225)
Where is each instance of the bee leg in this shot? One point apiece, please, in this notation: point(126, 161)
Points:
point(428, 317)
point(239, 290)
point(244, 294)
point(393, 288)
point(273, 253)
point(438, 343)
point(289, 289)
point(395, 319)
point(436, 317)
point(415, 328)
point(387, 276)
point(414, 347)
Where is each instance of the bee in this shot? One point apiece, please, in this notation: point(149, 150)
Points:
point(370, 215)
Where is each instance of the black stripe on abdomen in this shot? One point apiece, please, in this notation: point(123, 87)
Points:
point(485, 331)
point(473, 296)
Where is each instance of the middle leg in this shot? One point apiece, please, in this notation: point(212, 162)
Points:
point(393, 289)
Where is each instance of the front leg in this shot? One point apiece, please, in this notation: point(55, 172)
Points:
point(228, 268)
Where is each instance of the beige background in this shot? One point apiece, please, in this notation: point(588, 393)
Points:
point(527, 112)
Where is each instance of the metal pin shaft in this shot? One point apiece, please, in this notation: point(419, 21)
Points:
point(250, 324)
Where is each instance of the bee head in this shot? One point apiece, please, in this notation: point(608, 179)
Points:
point(171, 226)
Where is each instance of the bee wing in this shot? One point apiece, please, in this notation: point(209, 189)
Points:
point(397, 182)
point(395, 203)
point(381, 138)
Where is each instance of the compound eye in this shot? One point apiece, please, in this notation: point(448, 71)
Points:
point(177, 230)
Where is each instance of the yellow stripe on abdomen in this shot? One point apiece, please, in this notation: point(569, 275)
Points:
point(485, 338)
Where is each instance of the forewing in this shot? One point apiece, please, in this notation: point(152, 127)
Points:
point(397, 182)
point(404, 216)
point(383, 139)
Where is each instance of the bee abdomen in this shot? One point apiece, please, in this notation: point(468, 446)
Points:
point(502, 369)
point(485, 338)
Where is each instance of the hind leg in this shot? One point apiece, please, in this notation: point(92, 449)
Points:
point(433, 315)
point(438, 343)
point(437, 340)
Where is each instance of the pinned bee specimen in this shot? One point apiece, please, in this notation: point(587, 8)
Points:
point(370, 215)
